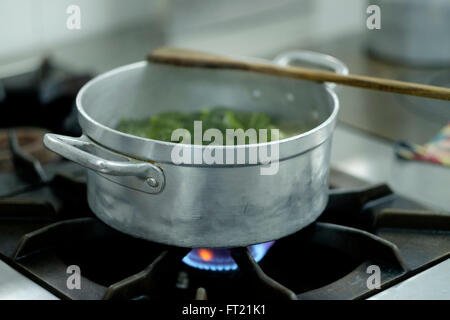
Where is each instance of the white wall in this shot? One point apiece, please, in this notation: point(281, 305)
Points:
point(291, 22)
point(27, 25)
point(250, 27)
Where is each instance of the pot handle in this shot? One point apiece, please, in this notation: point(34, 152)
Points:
point(150, 178)
point(314, 58)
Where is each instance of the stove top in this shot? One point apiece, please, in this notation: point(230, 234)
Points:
point(368, 240)
point(49, 234)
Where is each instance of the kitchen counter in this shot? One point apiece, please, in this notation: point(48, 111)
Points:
point(431, 284)
point(15, 286)
point(372, 159)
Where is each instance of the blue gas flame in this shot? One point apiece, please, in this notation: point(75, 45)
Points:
point(220, 259)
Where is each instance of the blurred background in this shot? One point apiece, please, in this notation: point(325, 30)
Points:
point(237, 27)
point(43, 63)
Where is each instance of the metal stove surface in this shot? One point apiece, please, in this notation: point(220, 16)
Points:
point(47, 226)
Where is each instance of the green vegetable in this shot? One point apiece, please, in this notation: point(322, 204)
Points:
point(161, 126)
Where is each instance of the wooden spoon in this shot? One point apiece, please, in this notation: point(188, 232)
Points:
point(190, 58)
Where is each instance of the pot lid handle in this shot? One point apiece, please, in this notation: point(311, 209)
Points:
point(315, 59)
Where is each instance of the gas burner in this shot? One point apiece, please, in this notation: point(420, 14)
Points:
point(220, 259)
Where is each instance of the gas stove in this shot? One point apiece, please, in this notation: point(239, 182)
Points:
point(49, 237)
point(369, 242)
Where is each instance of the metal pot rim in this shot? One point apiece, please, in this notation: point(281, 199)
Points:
point(159, 151)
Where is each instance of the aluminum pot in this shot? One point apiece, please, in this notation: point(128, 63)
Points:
point(413, 32)
point(135, 187)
